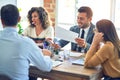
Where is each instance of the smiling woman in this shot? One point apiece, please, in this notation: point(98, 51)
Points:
point(39, 24)
point(25, 8)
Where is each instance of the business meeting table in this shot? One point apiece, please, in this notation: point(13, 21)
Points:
point(68, 71)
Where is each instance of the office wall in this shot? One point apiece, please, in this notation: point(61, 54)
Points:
point(3, 2)
point(50, 5)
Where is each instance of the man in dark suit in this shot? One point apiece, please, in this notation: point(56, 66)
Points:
point(84, 18)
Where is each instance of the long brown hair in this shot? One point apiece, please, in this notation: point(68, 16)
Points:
point(108, 29)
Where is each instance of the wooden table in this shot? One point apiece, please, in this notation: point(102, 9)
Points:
point(68, 71)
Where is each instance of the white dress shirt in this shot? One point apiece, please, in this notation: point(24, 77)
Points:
point(86, 32)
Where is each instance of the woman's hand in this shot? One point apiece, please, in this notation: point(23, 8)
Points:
point(98, 37)
point(53, 44)
point(56, 46)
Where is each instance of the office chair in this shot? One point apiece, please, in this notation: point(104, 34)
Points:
point(4, 77)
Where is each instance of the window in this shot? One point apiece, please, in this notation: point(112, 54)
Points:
point(66, 13)
point(117, 16)
point(24, 7)
point(67, 10)
point(102, 9)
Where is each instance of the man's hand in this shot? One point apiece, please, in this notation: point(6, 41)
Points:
point(81, 42)
point(56, 46)
point(53, 44)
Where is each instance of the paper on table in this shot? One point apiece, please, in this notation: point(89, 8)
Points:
point(56, 63)
point(65, 34)
point(78, 61)
point(76, 54)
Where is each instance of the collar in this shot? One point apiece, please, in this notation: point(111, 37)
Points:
point(10, 28)
point(86, 29)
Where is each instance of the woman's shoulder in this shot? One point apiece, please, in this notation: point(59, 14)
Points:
point(109, 44)
point(108, 47)
point(49, 28)
point(29, 28)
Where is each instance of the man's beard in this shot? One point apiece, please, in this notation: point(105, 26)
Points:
point(85, 25)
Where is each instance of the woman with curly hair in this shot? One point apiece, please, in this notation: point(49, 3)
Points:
point(39, 27)
point(39, 24)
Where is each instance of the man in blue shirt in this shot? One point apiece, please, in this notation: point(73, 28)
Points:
point(18, 52)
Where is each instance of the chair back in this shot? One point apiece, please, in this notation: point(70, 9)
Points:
point(4, 77)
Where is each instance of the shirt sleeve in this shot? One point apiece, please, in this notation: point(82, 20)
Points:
point(50, 33)
point(37, 58)
point(98, 57)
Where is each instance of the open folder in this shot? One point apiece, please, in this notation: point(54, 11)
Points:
point(65, 34)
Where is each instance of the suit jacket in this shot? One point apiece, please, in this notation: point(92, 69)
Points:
point(74, 46)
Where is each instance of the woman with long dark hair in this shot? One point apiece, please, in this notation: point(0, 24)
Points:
point(108, 54)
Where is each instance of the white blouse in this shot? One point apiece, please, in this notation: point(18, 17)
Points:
point(47, 33)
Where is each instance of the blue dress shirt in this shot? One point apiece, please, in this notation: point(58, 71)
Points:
point(17, 53)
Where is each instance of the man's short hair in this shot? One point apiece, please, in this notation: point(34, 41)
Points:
point(9, 15)
point(86, 10)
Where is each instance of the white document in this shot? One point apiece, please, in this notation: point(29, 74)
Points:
point(79, 62)
point(65, 34)
point(56, 63)
point(76, 54)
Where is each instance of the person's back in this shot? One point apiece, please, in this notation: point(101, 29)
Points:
point(16, 51)
point(13, 58)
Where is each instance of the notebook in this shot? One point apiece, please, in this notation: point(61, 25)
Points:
point(78, 62)
point(76, 54)
point(56, 63)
